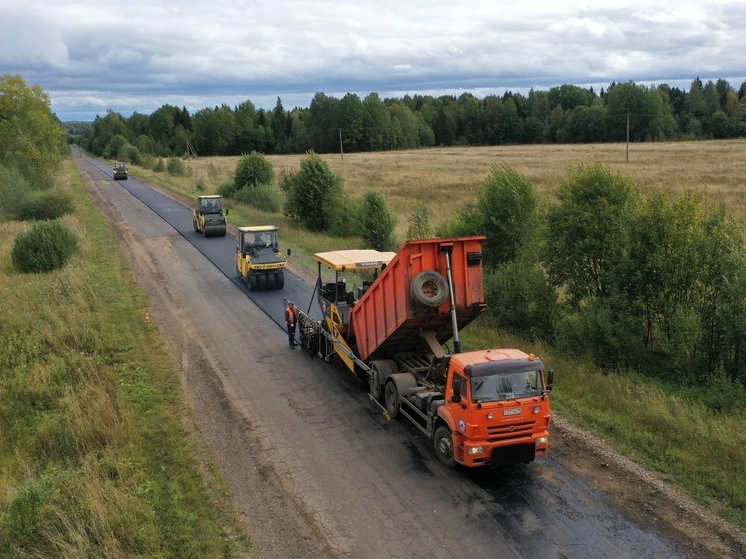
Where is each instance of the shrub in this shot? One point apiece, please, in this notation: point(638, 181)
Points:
point(226, 189)
point(344, 216)
point(520, 299)
point(465, 224)
point(314, 193)
point(378, 221)
point(176, 167)
point(159, 166)
point(263, 197)
point(507, 203)
point(117, 147)
point(47, 205)
point(134, 156)
point(47, 246)
point(253, 170)
point(419, 224)
point(147, 161)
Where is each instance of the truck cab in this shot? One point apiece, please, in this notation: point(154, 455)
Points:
point(496, 409)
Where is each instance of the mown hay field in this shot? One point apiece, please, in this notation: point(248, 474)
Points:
point(445, 178)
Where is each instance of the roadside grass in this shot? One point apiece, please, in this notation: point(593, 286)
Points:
point(95, 458)
point(659, 426)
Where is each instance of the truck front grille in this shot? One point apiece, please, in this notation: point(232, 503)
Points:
point(510, 431)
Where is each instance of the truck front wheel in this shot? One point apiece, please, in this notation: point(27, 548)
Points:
point(443, 444)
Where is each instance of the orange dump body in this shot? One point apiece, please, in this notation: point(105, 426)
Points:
point(388, 319)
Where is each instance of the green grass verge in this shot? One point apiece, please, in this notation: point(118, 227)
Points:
point(95, 459)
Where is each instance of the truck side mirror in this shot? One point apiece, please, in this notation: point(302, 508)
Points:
point(226, 211)
point(550, 379)
point(288, 252)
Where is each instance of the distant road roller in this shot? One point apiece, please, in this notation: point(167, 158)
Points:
point(209, 217)
point(259, 261)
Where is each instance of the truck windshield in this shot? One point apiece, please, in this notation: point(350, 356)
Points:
point(210, 205)
point(267, 239)
point(506, 386)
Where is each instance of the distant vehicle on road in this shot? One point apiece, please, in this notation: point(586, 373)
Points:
point(209, 217)
point(120, 172)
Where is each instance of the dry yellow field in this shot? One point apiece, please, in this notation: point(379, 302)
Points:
point(444, 178)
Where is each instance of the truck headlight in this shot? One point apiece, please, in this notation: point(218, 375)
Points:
point(476, 449)
point(542, 440)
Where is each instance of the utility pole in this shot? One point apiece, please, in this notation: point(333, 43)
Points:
point(191, 152)
point(341, 151)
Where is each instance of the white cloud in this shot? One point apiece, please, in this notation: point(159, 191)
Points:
point(199, 54)
point(578, 28)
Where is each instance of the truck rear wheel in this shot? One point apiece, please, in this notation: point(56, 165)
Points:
point(391, 398)
point(429, 289)
point(381, 370)
point(443, 444)
point(396, 385)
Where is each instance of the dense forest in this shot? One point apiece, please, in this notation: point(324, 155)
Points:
point(563, 114)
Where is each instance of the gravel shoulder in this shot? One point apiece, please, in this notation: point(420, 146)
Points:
point(642, 496)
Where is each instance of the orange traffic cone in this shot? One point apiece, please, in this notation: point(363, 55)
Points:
point(147, 318)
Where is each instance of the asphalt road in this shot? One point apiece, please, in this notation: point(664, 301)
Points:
point(357, 485)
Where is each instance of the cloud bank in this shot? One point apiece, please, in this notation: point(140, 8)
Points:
point(138, 56)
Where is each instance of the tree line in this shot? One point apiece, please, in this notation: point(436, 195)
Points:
point(563, 114)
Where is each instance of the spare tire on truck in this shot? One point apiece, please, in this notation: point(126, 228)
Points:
point(429, 289)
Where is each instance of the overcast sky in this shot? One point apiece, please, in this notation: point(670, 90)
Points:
point(137, 55)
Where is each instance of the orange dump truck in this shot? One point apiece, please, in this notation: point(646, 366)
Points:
point(486, 407)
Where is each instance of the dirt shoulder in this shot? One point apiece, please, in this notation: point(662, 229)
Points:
point(643, 497)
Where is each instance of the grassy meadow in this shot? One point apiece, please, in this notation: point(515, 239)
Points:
point(95, 458)
point(699, 450)
point(444, 178)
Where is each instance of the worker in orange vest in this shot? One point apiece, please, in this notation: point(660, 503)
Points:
point(291, 318)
